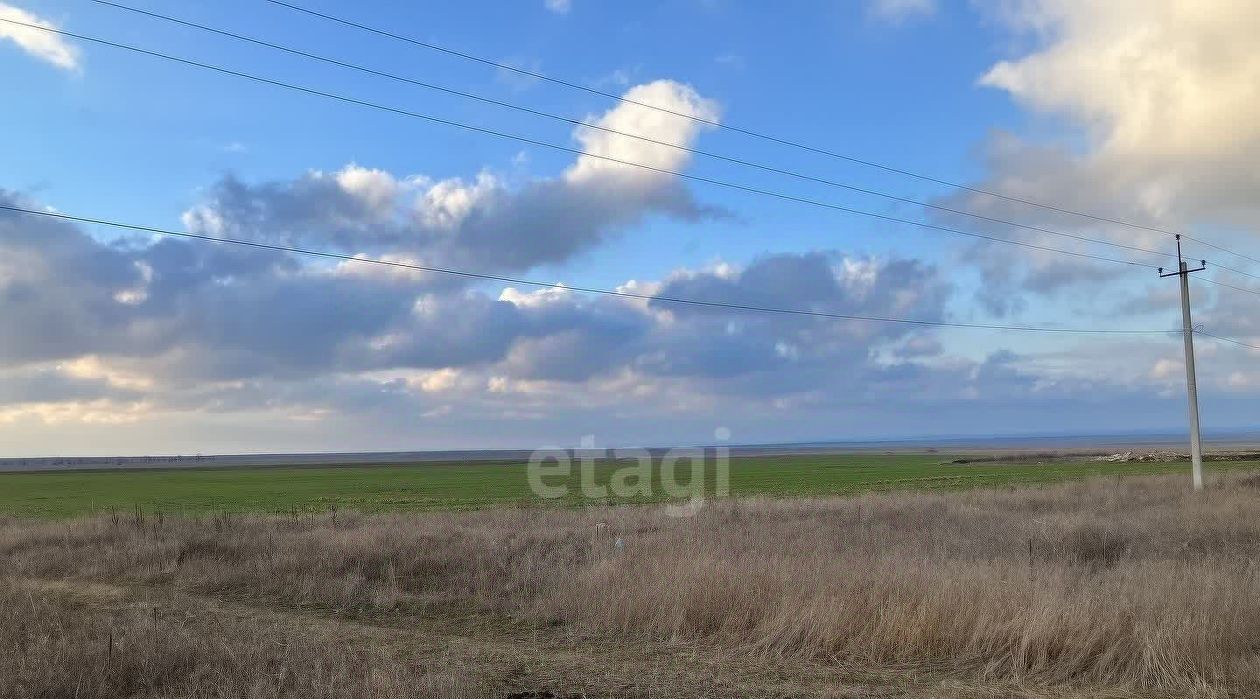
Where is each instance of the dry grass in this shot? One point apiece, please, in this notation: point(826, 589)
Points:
point(56, 646)
point(1136, 586)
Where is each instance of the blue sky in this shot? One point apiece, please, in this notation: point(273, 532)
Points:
point(846, 79)
point(1028, 98)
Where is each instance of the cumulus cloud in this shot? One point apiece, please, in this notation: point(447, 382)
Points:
point(212, 329)
point(628, 117)
point(1166, 93)
point(225, 340)
point(1164, 80)
point(242, 339)
point(46, 46)
point(1157, 104)
point(484, 223)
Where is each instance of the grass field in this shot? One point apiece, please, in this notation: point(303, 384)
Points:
point(1126, 588)
point(464, 486)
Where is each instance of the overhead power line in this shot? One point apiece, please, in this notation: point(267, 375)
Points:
point(560, 286)
point(623, 162)
point(576, 151)
point(1230, 340)
point(749, 132)
point(736, 186)
point(599, 291)
point(1215, 282)
point(1235, 271)
point(717, 156)
point(646, 139)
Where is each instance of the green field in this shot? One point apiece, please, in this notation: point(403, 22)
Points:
point(432, 486)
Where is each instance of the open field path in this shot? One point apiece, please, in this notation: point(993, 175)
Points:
point(502, 658)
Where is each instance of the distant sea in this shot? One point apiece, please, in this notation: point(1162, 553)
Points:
point(1118, 442)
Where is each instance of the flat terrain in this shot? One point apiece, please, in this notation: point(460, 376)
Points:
point(1130, 587)
point(475, 485)
point(846, 575)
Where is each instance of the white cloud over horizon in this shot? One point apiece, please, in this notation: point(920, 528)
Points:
point(155, 337)
point(232, 335)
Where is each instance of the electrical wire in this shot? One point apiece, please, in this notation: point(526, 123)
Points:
point(628, 163)
point(568, 149)
point(696, 151)
point(565, 287)
point(749, 132)
point(1227, 339)
point(1214, 282)
point(646, 139)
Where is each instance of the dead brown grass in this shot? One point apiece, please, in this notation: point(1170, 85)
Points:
point(1135, 586)
point(56, 646)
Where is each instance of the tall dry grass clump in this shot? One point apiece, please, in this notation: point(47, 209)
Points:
point(52, 646)
point(1139, 584)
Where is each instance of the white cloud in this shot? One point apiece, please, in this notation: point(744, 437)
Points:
point(559, 7)
point(536, 298)
point(1155, 78)
point(1166, 93)
point(374, 187)
point(1155, 109)
point(93, 367)
point(899, 11)
point(653, 123)
point(97, 412)
point(233, 331)
point(446, 204)
point(45, 46)
point(1167, 369)
point(438, 381)
point(488, 223)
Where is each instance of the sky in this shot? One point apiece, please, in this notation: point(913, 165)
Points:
point(121, 342)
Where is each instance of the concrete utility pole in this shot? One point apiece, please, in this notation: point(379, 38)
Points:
point(1192, 390)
